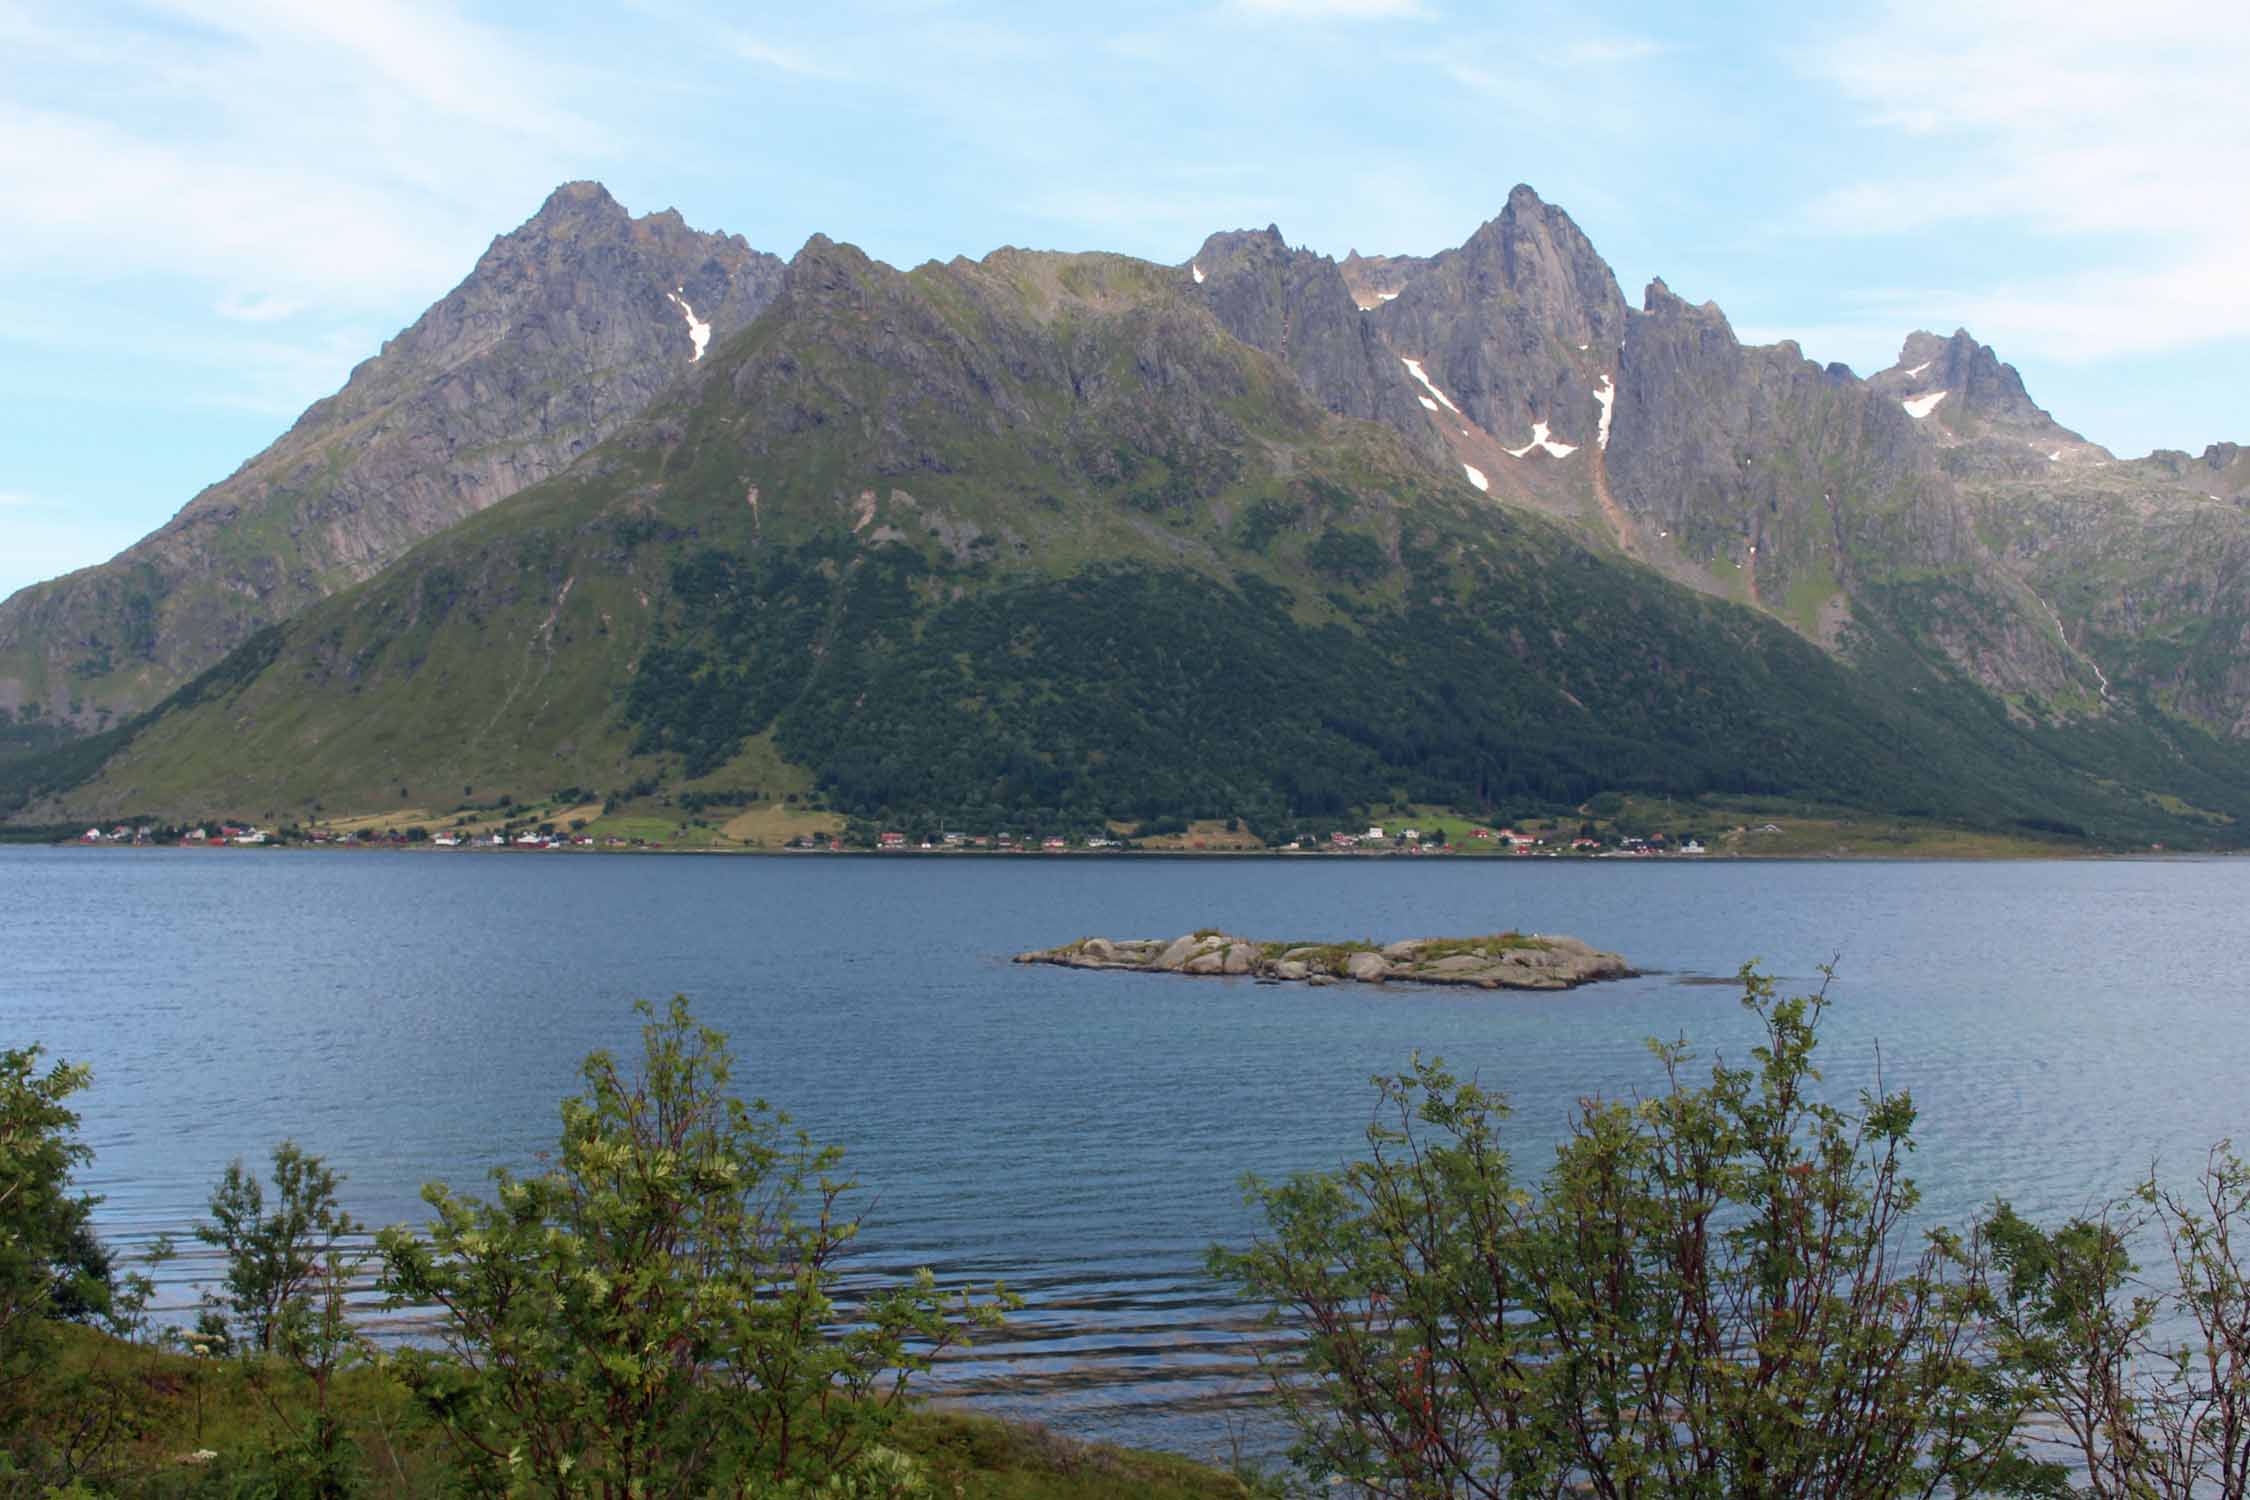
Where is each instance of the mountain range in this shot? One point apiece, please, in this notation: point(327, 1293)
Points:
point(1084, 537)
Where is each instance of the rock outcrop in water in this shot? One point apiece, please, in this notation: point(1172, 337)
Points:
point(1500, 961)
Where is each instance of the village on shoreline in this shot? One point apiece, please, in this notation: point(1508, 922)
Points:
point(653, 819)
point(1783, 838)
point(1375, 840)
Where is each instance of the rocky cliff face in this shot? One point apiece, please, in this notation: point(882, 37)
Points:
point(1300, 308)
point(2143, 566)
point(1377, 279)
point(1517, 326)
point(566, 328)
point(2135, 568)
point(1756, 459)
point(1815, 496)
point(1749, 472)
point(1973, 407)
point(1981, 393)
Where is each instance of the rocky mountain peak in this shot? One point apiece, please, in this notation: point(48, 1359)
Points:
point(1223, 249)
point(1536, 253)
point(574, 208)
point(822, 261)
point(1972, 370)
point(1966, 385)
point(2221, 471)
point(1659, 301)
point(1297, 306)
point(1377, 279)
point(1517, 325)
point(565, 329)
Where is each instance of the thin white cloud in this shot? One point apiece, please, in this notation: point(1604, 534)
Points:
point(1524, 89)
point(195, 366)
point(1331, 10)
point(191, 171)
point(754, 49)
point(1587, 81)
point(253, 307)
point(343, 154)
point(421, 52)
point(2118, 130)
point(85, 193)
point(1602, 52)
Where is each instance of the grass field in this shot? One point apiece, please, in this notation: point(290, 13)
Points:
point(772, 824)
point(1206, 834)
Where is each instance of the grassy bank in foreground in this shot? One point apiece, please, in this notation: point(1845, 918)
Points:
point(156, 1423)
point(656, 1312)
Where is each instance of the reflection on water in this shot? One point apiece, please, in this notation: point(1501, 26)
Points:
point(1081, 1136)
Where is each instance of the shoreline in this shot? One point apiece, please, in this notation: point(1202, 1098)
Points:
point(1927, 856)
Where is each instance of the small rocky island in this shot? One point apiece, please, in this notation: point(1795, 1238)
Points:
point(1502, 961)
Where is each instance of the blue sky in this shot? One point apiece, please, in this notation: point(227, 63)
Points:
point(216, 207)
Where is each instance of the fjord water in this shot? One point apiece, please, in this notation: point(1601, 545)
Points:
point(1080, 1135)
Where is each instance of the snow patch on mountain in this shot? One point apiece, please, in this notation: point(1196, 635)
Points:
point(1197, 272)
point(1427, 403)
point(1539, 439)
point(1414, 368)
point(1607, 396)
point(1918, 369)
point(698, 331)
point(1919, 407)
point(1476, 476)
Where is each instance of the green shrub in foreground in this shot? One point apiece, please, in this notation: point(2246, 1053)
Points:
point(1711, 1293)
point(657, 1313)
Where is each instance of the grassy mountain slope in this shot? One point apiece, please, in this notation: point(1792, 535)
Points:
point(566, 328)
point(1036, 538)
